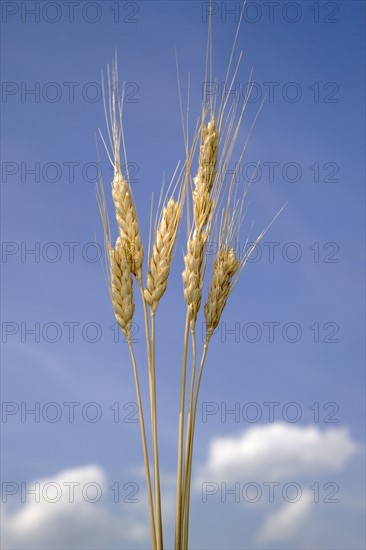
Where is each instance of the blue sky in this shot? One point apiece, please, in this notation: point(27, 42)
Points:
point(310, 137)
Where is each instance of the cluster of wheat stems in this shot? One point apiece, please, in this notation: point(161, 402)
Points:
point(216, 215)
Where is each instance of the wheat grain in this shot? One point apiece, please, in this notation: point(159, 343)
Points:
point(192, 274)
point(204, 180)
point(208, 157)
point(161, 257)
point(203, 207)
point(225, 267)
point(128, 224)
point(121, 288)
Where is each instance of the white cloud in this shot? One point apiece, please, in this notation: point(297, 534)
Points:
point(285, 522)
point(278, 451)
point(78, 524)
point(272, 452)
point(281, 453)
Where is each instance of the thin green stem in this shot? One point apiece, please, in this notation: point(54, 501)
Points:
point(144, 446)
point(191, 443)
point(146, 320)
point(178, 517)
point(186, 486)
point(154, 421)
point(150, 342)
point(148, 345)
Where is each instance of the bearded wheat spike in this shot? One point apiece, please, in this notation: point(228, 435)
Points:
point(208, 157)
point(192, 274)
point(225, 267)
point(127, 222)
point(204, 180)
point(121, 192)
point(203, 206)
point(121, 287)
point(162, 254)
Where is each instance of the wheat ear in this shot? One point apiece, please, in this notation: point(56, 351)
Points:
point(125, 209)
point(225, 267)
point(127, 223)
point(162, 254)
point(121, 288)
point(204, 180)
point(192, 274)
point(203, 205)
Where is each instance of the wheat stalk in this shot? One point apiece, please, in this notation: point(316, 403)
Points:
point(205, 198)
point(121, 290)
point(225, 274)
point(156, 284)
point(203, 206)
point(125, 260)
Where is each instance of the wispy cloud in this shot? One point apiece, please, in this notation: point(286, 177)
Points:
point(285, 522)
